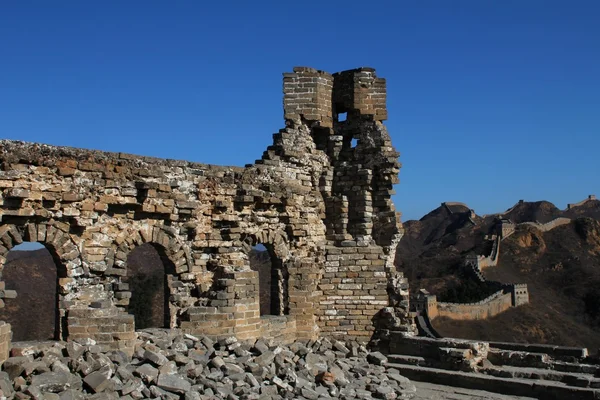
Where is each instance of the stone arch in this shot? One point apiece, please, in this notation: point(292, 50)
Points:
point(57, 240)
point(166, 237)
point(273, 237)
point(279, 252)
point(176, 259)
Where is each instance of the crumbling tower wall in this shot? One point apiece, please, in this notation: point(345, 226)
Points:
point(362, 225)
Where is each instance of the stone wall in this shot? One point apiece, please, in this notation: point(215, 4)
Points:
point(591, 197)
point(486, 308)
point(511, 295)
point(319, 200)
point(548, 226)
point(5, 336)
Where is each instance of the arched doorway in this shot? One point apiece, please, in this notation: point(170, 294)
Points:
point(272, 280)
point(149, 272)
point(31, 271)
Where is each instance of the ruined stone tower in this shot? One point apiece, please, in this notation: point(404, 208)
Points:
point(319, 199)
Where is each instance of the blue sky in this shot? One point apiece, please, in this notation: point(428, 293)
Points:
point(489, 101)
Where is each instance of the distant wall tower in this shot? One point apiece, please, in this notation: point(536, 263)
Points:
point(520, 294)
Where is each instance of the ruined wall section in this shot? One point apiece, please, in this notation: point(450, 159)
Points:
point(201, 217)
point(493, 305)
point(322, 204)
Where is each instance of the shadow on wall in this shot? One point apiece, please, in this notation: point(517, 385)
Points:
point(271, 280)
point(260, 261)
point(147, 283)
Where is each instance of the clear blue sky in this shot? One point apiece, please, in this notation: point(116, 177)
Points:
point(489, 101)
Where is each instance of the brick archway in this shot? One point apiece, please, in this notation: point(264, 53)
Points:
point(176, 260)
point(279, 253)
point(66, 255)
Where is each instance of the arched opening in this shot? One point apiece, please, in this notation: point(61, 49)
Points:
point(31, 271)
point(272, 280)
point(149, 272)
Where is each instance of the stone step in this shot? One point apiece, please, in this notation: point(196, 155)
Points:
point(519, 358)
point(537, 360)
point(509, 386)
point(568, 378)
point(575, 367)
point(430, 391)
point(563, 353)
point(410, 360)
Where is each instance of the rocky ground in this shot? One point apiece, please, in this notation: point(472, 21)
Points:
point(170, 365)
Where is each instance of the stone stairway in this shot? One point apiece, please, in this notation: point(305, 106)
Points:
point(538, 389)
point(538, 371)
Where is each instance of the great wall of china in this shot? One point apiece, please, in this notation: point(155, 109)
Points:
point(510, 294)
point(318, 201)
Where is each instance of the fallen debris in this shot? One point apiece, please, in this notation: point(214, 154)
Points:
point(167, 364)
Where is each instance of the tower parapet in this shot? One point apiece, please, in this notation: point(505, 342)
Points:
point(360, 91)
point(307, 94)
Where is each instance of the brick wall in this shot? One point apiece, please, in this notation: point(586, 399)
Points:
point(307, 93)
point(321, 203)
point(5, 336)
point(487, 308)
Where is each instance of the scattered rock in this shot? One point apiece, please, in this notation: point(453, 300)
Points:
point(377, 358)
point(173, 383)
point(171, 366)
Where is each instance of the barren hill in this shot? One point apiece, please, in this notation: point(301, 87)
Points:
point(560, 266)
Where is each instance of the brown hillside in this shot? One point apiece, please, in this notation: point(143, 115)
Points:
point(561, 268)
point(590, 209)
point(538, 211)
point(432, 250)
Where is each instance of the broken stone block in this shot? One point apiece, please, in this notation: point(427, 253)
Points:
point(377, 358)
point(155, 357)
point(147, 372)
point(55, 382)
point(173, 383)
point(96, 381)
point(15, 366)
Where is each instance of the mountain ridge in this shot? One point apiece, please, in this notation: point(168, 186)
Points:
point(561, 266)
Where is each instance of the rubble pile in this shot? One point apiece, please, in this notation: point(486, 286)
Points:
point(167, 364)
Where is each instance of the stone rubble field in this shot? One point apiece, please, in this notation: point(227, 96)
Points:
point(171, 365)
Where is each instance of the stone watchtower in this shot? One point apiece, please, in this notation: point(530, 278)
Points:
point(345, 113)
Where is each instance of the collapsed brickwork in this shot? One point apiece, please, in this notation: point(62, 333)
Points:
point(319, 199)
